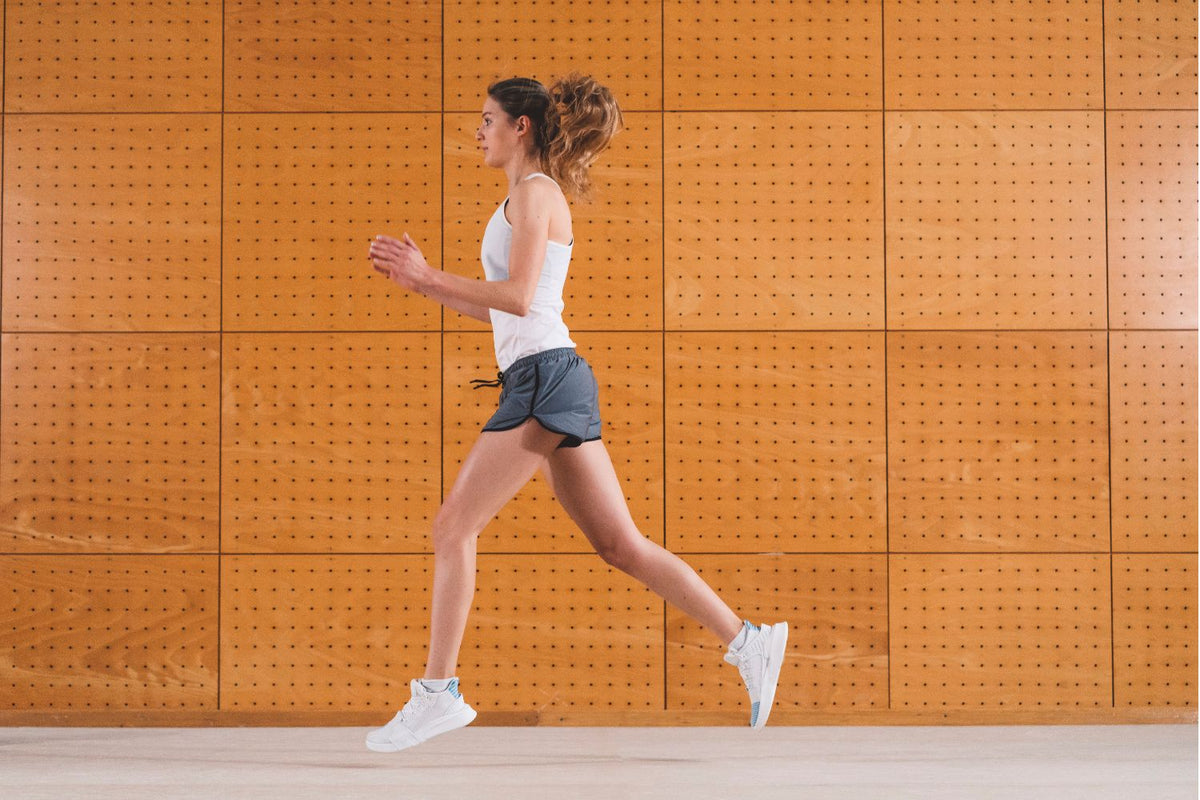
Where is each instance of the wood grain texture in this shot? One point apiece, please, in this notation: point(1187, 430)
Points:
point(1154, 443)
point(1150, 54)
point(112, 633)
point(112, 222)
point(1001, 631)
point(1022, 54)
point(995, 220)
point(305, 196)
point(621, 47)
point(110, 443)
point(112, 56)
point(721, 55)
point(773, 221)
point(1152, 219)
point(998, 442)
point(331, 442)
point(314, 56)
point(1154, 619)
point(775, 442)
point(326, 632)
point(836, 609)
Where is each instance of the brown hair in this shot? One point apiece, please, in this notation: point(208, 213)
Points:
point(573, 122)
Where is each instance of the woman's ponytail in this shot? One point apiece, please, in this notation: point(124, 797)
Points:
point(574, 122)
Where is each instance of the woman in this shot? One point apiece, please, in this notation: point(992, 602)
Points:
point(548, 416)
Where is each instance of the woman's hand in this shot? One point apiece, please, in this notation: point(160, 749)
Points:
point(401, 261)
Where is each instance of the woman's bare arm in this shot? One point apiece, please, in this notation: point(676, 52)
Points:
point(403, 262)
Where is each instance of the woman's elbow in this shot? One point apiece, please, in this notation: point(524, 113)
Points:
point(521, 306)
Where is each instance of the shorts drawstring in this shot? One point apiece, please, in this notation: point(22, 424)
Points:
point(480, 382)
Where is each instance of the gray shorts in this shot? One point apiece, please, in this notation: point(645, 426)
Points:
point(555, 387)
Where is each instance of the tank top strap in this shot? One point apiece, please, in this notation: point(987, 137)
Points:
point(534, 174)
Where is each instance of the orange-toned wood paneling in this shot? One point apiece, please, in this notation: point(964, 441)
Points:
point(1154, 618)
point(331, 441)
point(318, 56)
point(1019, 631)
point(722, 56)
point(1154, 440)
point(773, 221)
point(112, 56)
point(1150, 54)
point(1020, 55)
point(892, 306)
point(112, 222)
point(775, 442)
point(1152, 214)
point(117, 633)
point(110, 443)
point(319, 632)
point(996, 219)
point(304, 196)
point(997, 442)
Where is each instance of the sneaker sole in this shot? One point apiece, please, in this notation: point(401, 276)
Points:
point(771, 678)
point(460, 719)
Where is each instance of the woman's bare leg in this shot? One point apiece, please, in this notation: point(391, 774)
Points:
point(586, 485)
point(499, 464)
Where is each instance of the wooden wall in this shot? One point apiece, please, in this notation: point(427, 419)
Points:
point(893, 306)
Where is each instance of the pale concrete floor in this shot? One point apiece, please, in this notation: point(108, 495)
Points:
point(1151, 762)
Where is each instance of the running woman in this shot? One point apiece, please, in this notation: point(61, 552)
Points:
point(548, 417)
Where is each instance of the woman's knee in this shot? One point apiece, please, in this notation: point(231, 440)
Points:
point(623, 552)
point(451, 531)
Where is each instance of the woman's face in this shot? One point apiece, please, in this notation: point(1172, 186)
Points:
point(499, 136)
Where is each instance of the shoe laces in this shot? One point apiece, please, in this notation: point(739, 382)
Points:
point(416, 705)
point(749, 661)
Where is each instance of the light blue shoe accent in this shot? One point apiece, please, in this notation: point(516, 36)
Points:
point(753, 714)
point(453, 687)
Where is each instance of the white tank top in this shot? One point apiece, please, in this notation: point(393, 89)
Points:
point(542, 328)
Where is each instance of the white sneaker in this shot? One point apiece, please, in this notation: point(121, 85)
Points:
point(759, 660)
point(424, 716)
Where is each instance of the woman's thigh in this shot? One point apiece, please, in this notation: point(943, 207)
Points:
point(586, 484)
point(495, 469)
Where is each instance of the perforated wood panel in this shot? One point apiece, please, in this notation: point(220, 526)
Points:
point(628, 367)
point(836, 607)
point(120, 633)
point(995, 220)
point(562, 631)
point(1020, 54)
point(367, 55)
point(1154, 441)
point(1017, 631)
point(110, 442)
point(892, 306)
point(304, 197)
point(1152, 219)
point(1154, 617)
point(110, 55)
point(775, 442)
point(619, 43)
point(1150, 53)
point(322, 631)
point(773, 221)
point(997, 441)
point(346, 632)
point(112, 222)
point(725, 55)
point(616, 274)
point(330, 442)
